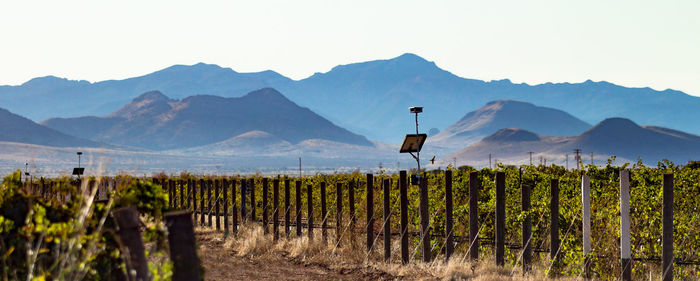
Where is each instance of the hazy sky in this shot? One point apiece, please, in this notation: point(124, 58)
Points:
point(632, 43)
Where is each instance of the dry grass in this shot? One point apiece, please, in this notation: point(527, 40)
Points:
point(349, 261)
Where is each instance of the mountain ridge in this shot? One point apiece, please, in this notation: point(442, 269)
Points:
point(618, 137)
point(369, 98)
point(154, 121)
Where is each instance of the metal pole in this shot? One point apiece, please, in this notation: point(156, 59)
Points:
point(417, 152)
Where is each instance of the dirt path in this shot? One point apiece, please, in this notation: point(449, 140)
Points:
point(222, 263)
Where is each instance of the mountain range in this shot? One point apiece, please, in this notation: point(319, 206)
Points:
point(617, 137)
point(369, 98)
point(15, 128)
point(500, 114)
point(154, 121)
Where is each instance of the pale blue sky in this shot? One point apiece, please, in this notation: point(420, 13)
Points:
point(632, 43)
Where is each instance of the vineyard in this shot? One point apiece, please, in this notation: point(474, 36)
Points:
point(373, 218)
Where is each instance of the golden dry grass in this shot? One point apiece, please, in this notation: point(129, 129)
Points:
point(302, 259)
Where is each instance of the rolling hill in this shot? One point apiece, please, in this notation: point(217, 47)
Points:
point(614, 136)
point(15, 128)
point(154, 121)
point(497, 115)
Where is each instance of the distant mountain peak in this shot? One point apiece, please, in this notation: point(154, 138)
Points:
point(410, 57)
point(51, 81)
point(151, 96)
point(613, 126)
point(266, 95)
point(512, 135)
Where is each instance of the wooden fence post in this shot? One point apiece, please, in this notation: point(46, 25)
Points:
point(309, 212)
point(474, 216)
point(275, 208)
point(244, 191)
point(403, 190)
point(224, 184)
point(424, 219)
point(265, 211)
point(217, 203)
point(500, 217)
point(449, 224)
point(386, 185)
point(586, 205)
point(251, 187)
point(324, 214)
point(298, 207)
point(189, 194)
point(625, 248)
point(201, 202)
point(210, 201)
point(234, 211)
point(370, 212)
point(351, 204)
point(171, 194)
point(182, 194)
point(525, 196)
point(287, 207)
point(554, 221)
point(183, 251)
point(338, 212)
point(667, 228)
point(127, 219)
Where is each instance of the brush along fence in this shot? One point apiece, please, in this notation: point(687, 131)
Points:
point(572, 217)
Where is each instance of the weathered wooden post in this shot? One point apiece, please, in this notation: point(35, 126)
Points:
point(216, 204)
point(170, 193)
point(224, 183)
point(210, 201)
point(586, 205)
point(189, 194)
point(234, 211)
point(370, 212)
point(449, 232)
point(298, 207)
point(424, 219)
point(386, 185)
point(474, 216)
point(287, 207)
point(403, 190)
point(265, 207)
point(525, 196)
point(201, 203)
point(309, 212)
point(338, 212)
point(183, 250)
point(182, 194)
point(554, 221)
point(324, 214)
point(500, 217)
point(351, 204)
point(127, 220)
point(244, 194)
point(275, 208)
point(625, 247)
point(667, 228)
point(251, 187)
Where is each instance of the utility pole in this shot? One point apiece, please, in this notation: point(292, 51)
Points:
point(578, 157)
point(489, 160)
point(299, 167)
point(530, 152)
point(591, 158)
point(567, 162)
